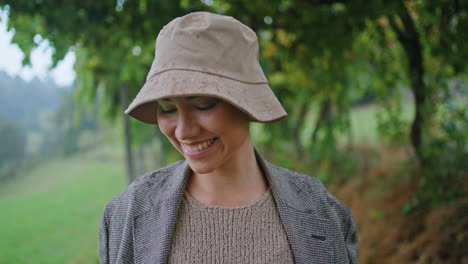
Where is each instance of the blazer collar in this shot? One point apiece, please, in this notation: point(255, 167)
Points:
point(307, 234)
point(280, 184)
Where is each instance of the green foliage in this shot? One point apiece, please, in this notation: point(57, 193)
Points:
point(67, 125)
point(13, 142)
point(446, 149)
point(322, 57)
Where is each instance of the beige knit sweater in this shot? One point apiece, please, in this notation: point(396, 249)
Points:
point(215, 234)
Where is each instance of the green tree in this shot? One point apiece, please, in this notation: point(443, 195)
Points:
point(23, 101)
point(321, 56)
point(325, 54)
point(113, 41)
point(66, 126)
point(13, 142)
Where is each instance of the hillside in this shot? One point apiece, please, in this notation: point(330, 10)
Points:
point(23, 101)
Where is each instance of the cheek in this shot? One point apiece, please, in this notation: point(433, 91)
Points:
point(215, 121)
point(226, 121)
point(237, 118)
point(165, 126)
point(168, 131)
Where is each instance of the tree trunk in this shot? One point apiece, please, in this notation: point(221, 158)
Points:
point(127, 134)
point(409, 39)
point(297, 130)
point(324, 116)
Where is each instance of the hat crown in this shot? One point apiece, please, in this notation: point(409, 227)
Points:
point(208, 43)
point(205, 54)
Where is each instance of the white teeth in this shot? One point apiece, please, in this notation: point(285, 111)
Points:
point(200, 146)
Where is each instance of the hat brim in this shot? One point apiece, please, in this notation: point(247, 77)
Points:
point(256, 100)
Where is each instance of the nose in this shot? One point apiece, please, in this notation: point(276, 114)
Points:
point(187, 126)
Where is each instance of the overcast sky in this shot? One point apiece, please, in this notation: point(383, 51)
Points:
point(11, 57)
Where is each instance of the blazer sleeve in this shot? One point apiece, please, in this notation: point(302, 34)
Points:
point(351, 240)
point(104, 240)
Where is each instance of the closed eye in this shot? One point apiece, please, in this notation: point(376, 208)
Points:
point(167, 111)
point(206, 108)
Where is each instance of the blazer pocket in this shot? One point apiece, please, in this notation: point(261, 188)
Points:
point(317, 235)
point(310, 238)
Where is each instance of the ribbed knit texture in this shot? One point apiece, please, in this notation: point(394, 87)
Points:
point(216, 234)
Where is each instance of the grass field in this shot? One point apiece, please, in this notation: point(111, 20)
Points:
point(50, 214)
point(364, 122)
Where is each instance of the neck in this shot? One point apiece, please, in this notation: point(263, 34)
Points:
point(239, 182)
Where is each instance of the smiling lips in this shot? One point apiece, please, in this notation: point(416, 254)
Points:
point(198, 147)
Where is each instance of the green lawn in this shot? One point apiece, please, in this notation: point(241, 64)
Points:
point(51, 213)
point(364, 122)
point(363, 127)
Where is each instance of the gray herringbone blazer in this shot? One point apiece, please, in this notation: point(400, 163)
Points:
point(137, 225)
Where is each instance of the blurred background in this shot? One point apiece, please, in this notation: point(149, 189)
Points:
point(376, 93)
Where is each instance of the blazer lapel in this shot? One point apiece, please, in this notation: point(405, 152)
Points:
point(153, 230)
point(308, 235)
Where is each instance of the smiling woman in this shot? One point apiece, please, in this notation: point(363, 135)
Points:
point(223, 203)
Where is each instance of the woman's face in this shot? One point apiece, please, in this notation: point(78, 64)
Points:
point(207, 131)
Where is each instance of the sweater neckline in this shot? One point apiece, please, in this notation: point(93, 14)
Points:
point(193, 202)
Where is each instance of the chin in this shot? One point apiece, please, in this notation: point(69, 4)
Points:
point(200, 169)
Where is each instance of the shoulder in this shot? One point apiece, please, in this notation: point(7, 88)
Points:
point(320, 201)
point(134, 199)
point(308, 199)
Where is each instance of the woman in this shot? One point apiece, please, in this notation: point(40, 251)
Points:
point(224, 203)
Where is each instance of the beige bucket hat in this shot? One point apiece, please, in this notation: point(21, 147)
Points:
point(211, 55)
